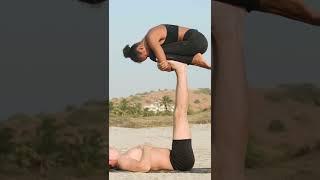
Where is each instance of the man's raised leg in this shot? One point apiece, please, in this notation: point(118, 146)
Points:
point(181, 155)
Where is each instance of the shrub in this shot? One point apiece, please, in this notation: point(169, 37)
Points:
point(165, 113)
point(146, 112)
point(70, 108)
point(20, 117)
point(110, 106)
point(6, 145)
point(197, 101)
point(302, 117)
point(190, 111)
point(205, 91)
point(316, 101)
point(305, 93)
point(276, 126)
point(254, 156)
point(274, 97)
point(25, 156)
point(317, 145)
point(205, 109)
point(302, 151)
point(135, 109)
point(84, 116)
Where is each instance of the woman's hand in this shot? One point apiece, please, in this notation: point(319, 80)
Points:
point(165, 66)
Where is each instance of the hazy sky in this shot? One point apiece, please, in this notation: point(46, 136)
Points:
point(52, 53)
point(279, 50)
point(130, 20)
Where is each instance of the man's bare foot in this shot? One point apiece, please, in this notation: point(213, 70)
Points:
point(198, 60)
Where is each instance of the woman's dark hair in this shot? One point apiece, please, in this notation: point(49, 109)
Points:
point(131, 52)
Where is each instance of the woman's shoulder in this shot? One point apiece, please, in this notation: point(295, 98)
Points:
point(159, 30)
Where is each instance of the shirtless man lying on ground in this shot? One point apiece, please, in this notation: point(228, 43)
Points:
point(144, 158)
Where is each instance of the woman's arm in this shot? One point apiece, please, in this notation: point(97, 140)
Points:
point(152, 38)
point(143, 165)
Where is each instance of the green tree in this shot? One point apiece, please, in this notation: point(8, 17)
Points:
point(46, 145)
point(135, 109)
point(110, 106)
point(85, 153)
point(146, 112)
point(123, 107)
point(91, 147)
point(166, 101)
point(25, 156)
point(6, 145)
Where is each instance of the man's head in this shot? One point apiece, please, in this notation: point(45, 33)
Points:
point(114, 155)
point(137, 53)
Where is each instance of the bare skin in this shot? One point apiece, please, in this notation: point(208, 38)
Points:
point(155, 38)
point(230, 114)
point(293, 9)
point(144, 158)
point(181, 128)
point(198, 60)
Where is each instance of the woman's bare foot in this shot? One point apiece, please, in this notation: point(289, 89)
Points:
point(198, 60)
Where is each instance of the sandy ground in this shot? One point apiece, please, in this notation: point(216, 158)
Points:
point(125, 138)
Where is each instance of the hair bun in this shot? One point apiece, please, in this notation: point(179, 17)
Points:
point(126, 51)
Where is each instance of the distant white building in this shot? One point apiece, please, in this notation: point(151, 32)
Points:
point(158, 107)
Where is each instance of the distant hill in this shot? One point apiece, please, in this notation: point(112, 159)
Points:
point(199, 99)
point(285, 138)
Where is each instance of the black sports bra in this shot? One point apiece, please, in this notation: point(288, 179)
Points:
point(248, 4)
point(172, 36)
point(172, 33)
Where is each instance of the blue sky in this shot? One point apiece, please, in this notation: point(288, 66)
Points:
point(128, 23)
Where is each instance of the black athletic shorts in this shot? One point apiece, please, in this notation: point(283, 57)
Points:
point(181, 155)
